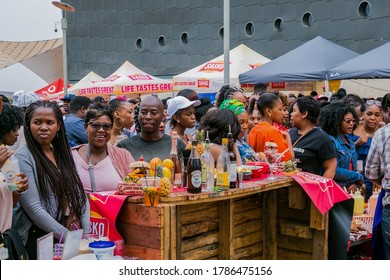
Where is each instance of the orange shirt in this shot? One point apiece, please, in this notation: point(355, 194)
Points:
point(265, 132)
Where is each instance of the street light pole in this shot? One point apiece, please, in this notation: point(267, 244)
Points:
point(64, 26)
point(226, 41)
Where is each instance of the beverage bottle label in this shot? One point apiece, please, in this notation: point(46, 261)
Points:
point(196, 178)
point(233, 172)
point(223, 179)
point(204, 174)
point(177, 179)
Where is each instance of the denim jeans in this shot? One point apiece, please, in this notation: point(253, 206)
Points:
point(386, 232)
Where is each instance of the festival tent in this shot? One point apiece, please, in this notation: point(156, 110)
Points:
point(88, 80)
point(308, 62)
point(370, 65)
point(52, 90)
point(209, 76)
point(127, 80)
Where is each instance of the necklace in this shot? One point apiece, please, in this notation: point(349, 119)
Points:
point(90, 158)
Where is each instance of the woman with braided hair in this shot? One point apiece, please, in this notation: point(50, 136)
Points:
point(56, 201)
point(229, 92)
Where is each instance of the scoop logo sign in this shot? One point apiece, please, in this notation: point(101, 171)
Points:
point(203, 83)
point(140, 77)
point(111, 78)
point(215, 66)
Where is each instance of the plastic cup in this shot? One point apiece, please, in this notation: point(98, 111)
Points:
point(102, 249)
point(58, 250)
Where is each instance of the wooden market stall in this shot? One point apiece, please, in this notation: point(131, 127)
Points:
point(263, 220)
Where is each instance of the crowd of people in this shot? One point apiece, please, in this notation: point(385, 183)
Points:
point(69, 150)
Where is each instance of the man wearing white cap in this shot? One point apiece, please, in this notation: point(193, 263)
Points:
point(150, 142)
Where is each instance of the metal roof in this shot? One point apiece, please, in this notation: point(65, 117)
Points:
point(14, 52)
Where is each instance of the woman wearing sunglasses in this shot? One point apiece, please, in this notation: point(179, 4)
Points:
point(338, 120)
point(100, 166)
point(362, 135)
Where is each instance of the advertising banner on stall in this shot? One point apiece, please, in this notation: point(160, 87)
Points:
point(208, 77)
point(52, 91)
point(104, 210)
point(128, 80)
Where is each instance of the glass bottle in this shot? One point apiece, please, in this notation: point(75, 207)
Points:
point(233, 164)
point(176, 169)
point(194, 171)
point(208, 165)
point(223, 164)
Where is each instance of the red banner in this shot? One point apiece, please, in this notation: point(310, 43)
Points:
point(323, 192)
point(104, 211)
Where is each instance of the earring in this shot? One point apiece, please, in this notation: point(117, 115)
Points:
point(119, 127)
point(178, 121)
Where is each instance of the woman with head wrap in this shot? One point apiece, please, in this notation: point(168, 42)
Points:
point(237, 107)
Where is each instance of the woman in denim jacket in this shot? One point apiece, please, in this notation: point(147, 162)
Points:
point(338, 120)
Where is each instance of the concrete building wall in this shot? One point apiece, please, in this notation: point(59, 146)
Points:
point(168, 37)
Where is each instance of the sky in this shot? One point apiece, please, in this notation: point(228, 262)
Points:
point(26, 20)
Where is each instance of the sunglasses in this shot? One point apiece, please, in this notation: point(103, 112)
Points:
point(350, 121)
point(372, 102)
point(97, 126)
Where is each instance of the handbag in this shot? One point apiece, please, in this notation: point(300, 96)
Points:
point(14, 244)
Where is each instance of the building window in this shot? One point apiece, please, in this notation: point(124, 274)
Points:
point(221, 33)
point(364, 9)
point(249, 29)
point(307, 19)
point(184, 38)
point(161, 41)
point(279, 24)
point(139, 43)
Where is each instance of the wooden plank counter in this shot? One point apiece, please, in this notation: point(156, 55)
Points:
point(263, 220)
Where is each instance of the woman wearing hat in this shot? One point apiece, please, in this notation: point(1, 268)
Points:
point(181, 112)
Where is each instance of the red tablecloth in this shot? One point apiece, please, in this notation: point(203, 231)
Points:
point(323, 192)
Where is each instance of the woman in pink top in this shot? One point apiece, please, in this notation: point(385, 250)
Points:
point(11, 118)
point(100, 166)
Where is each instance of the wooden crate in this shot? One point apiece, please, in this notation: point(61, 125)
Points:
point(278, 222)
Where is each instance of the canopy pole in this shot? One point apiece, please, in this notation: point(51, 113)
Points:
point(226, 41)
point(327, 91)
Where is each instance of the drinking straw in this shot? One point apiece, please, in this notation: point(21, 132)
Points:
point(76, 227)
point(59, 243)
point(281, 155)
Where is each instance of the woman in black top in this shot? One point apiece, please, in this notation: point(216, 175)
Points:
point(312, 146)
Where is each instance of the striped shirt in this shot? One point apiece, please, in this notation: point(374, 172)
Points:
point(378, 160)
